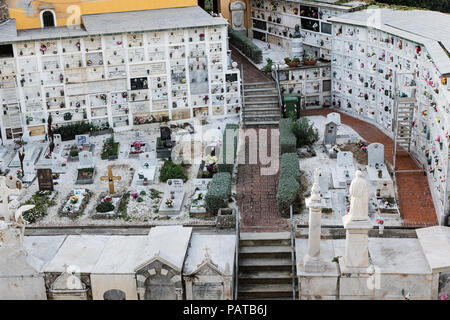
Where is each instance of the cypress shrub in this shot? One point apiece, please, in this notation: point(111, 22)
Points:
point(288, 141)
point(219, 192)
point(240, 41)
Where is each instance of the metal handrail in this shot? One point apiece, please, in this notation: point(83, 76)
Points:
point(277, 81)
point(236, 260)
point(292, 251)
point(242, 93)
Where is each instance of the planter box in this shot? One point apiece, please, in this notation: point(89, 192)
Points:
point(82, 206)
point(101, 132)
point(144, 148)
point(116, 201)
point(77, 158)
point(226, 218)
point(82, 179)
point(115, 156)
point(200, 172)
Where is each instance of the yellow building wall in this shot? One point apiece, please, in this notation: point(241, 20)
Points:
point(68, 12)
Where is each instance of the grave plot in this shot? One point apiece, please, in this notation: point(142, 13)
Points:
point(76, 202)
point(110, 150)
point(199, 189)
point(82, 143)
point(31, 154)
point(143, 202)
point(164, 144)
point(324, 182)
point(54, 160)
point(173, 199)
point(5, 151)
point(147, 172)
point(138, 146)
point(108, 202)
point(381, 182)
point(344, 172)
point(86, 168)
point(208, 167)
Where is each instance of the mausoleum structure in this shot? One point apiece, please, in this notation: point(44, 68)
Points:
point(115, 69)
point(390, 68)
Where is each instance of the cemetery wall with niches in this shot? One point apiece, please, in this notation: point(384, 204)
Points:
point(312, 82)
point(366, 65)
point(274, 22)
point(120, 80)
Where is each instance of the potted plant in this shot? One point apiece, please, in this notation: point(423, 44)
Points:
point(309, 60)
point(292, 63)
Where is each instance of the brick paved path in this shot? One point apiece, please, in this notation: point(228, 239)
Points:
point(415, 201)
point(257, 198)
point(251, 73)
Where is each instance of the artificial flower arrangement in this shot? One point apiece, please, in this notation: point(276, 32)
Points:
point(137, 145)
point(170, 203)
point(73, 199)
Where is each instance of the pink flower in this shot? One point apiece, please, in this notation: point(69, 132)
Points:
point(134, 195)
point(444, 296)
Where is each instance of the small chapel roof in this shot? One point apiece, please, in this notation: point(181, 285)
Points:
point(219, 247)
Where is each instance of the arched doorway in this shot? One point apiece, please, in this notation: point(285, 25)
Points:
point(159, 287)
point(48, 19)
point(114, 294)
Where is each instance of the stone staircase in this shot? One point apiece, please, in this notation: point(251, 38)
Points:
point(265, 266)
point(405, 118)
point(261, 107)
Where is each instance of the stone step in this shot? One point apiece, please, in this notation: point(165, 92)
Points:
point(260, 109)
point(262, 97)
point(260, 91)
point(253, 85)
point(262, 124)
point(272, 116)
point(265, 239)
point(253, 291)
point(265, 252)
point(262, 103)
point(265, 277)
point(265, 264)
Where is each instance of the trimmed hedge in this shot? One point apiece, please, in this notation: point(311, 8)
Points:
point(288, 183)
point(219, 192)
point(223, 166)
point(287, 193)
point(290, 165)
point(436, 5)
point(240, 41)
point(288, 141)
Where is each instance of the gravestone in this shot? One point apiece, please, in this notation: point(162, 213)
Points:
point(200, 189)
point(57, 140)
point(165, 133)
point(174, 193)
point(85, 160)
point(237, 9)
point(45, 180)
point(329, 139)
point(344, 171)
point(380, 180)
point(146, 173)
point(29, 171)
point(324, 180)
point(334, 117)
point(82, 139)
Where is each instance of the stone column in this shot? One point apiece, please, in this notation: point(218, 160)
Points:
point(312, 262)
point(188, 283)
point(228, 288)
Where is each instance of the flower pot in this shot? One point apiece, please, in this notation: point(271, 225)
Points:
point(293, 64)
point(309, 62)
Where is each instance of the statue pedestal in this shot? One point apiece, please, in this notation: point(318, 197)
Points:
point(356, 242)
point(296, 47)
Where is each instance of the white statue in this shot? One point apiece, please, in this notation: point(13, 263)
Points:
point(359, 201)
point(8, 186)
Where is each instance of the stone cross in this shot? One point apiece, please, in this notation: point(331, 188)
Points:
point(110, 178)
point(206, 251)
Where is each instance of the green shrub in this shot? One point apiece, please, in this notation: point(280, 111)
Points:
point(305, 132)
point(287, 138)
point(69, 131)
point(287, 192)
point(268, 67)
point(171, 170)
point(41, 202)
point(436, 5)
point(290, 165)
point(105, 206)
point(219, 192)
point(74, 153)
point(223, 165)
point(245, 45)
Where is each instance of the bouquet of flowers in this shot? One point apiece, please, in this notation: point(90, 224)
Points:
point(73, 199)
point(170, 203)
